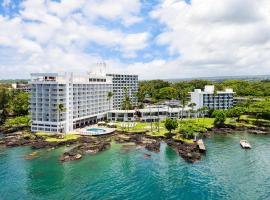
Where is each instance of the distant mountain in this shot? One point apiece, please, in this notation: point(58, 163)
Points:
point(223, 78)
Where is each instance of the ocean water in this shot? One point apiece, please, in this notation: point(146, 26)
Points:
point(225, 172)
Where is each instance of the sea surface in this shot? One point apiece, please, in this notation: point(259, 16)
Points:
point(225, 172)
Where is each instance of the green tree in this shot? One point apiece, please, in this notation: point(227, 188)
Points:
point(182, 96)
point(4, 99)
point(19, 104)
point(109, 98)
point(126, 104)
point(220, 117)
point(167, 93)
point(152, 87)
point(192, 105)
point(235, 112)
point(60, 109)
point(171, 124)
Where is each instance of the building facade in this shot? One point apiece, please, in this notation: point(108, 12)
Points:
point(150, 113)
point(21, 86)
point(63, 102)
point(60, 103)
point(212, 99)
point(120, 82)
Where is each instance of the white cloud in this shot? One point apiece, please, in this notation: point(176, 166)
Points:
point(125, 10)
point(223, 35)
point(205, 38)
point(49, 35)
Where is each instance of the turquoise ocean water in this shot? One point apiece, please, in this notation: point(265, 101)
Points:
point(225, 172)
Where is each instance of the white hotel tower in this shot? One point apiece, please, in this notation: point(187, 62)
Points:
point(83, 98)
point(212, 99)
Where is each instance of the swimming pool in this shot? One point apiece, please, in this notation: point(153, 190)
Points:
point(96, 131)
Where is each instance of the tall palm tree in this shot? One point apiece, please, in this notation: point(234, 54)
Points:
point(183, 98)
point(150, 116)
point(126, 103)
point(192, 105)
point(60, 109)
point(203, 111)
point(109, 98)
point(158, 121)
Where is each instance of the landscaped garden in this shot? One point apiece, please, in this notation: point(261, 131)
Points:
point(184, 130)
point(57, 138)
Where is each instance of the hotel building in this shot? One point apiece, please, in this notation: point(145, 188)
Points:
point(148, 114)
point(63, 102)
point(21, 87)
point(120, 82)
point(212, 99)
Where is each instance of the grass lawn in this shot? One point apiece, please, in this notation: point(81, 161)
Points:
point(55, 138)
point(206, 122)
point(180, 138)
point(252, 119)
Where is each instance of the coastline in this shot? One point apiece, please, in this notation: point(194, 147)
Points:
point(91, 145)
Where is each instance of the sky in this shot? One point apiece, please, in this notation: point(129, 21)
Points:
point(156, 39)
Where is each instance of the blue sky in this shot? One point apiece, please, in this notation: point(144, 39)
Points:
point(155, 39)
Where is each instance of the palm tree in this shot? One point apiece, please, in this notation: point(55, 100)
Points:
point(60, 109)
point(204, 110)
point(158, 120)
point(126, 103)
point(150, 116)
point(109, 97)
point(183, 98)
point(192, 105)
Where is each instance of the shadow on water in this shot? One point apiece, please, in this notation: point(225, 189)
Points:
point(45, 174)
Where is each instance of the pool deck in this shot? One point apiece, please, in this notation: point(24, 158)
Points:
point(83, 131)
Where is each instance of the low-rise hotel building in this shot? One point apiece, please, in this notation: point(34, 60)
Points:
point(21, 86)
point(212, 99)
point(150, 113)
point(63, 102)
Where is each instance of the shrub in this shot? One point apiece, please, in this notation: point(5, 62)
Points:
point(18, 121)
point(171, 124)
point(220, 117)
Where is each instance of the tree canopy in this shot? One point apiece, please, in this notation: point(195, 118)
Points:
point(171, 124)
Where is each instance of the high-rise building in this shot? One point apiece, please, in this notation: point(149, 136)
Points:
point(212, 99)
point(63, 102)
point(120, 82)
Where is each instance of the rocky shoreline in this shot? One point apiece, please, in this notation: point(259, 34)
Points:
point(230, 129)
point(90, 145)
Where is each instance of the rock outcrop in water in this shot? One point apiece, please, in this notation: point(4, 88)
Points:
point(190, 152)
point(139, 139)
point(14, 140)
point(92, 147)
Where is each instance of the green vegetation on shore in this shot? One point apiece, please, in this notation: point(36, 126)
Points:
point(57, 138)
point(159, 90)
point(13, 103)
point(18, 121)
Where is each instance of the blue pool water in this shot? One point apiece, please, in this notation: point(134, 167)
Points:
point(226, 172)
point(96, 131)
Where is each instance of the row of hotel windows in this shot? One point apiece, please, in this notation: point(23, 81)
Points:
point(97, 80)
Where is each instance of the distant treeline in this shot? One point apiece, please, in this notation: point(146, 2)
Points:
point(11, 81)
point(160, 89)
